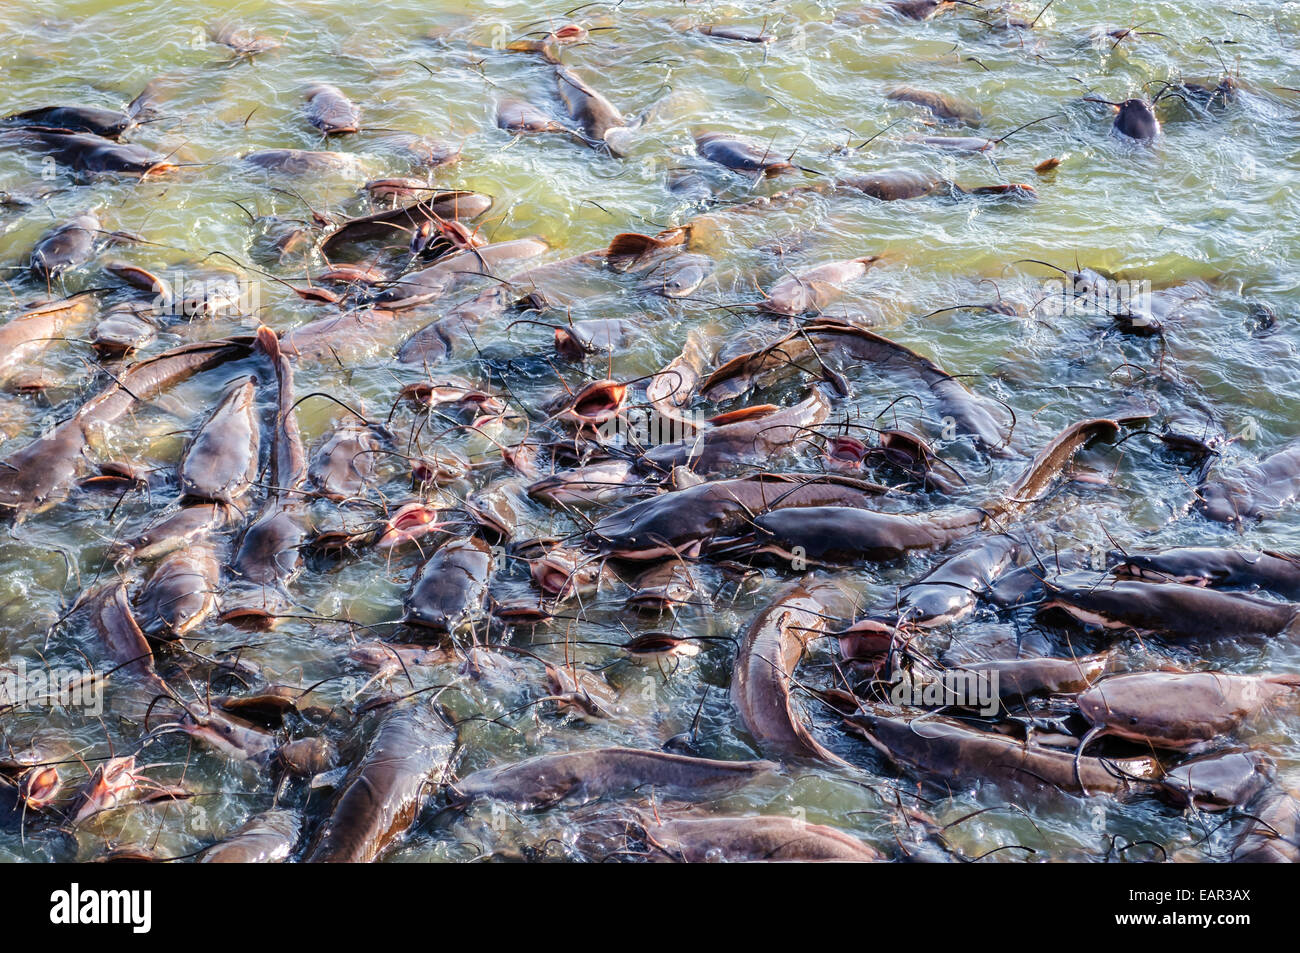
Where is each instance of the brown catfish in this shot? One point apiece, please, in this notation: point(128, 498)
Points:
point(827, 535)
point(110, 612)
point(265, 838)
point(269, 557)
point(39, 474)
point(549, 43)
point(109, 123)
point(741, 154)
point(450, 587)
point(595, 483)
point(580, 338)
point(1134, 118)
point(947, 753)
point(454, 271)
point(562, 572)
point(682, 522)
point(384, 792)
point(582, 776)
point(515, 115)
point(951, 589)
point(108, 786)
point(38, 325)
point(696, 840)
point(1170, 609)
point(137, 276)
point(345, 463)
point(740, 34)
point(242, 41)
point(1219, 781)
point(920, 9)
point(679, 276)
point(231, 736)
point(593, 405)
point(600, 120)
point(1180, 711)
point(301, 161)
point(442, 337)
point(760, 367)
point(330, 111)
point(384, 659)
point(181, 593)
point(1252, 491)
point(124, 328)
point(901, 184)
point(396, 225)
point(1018, 678)
point(894, 186)
point(813, 290)
point(45, 747)
point(339, 337)
point(672, 388)
point(757, 437)
point(1215, 567)
point(582, 693)
point(165, 535)
point(1273, 835)
point(663, 587)
point(765, 663)
point(306, 757)
point(852, 346)
point(940, 105)
point(69, 245)
point(632, 252)
point(969, 412)
point(39, 787)
point(220, 463)
point(92, 154)
point(837, 534)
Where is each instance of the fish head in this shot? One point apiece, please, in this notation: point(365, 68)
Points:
point(106, 787)
point(1220, 503)
point(39, 787)
point(1137, 120)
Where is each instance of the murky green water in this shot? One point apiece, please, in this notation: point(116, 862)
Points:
point(1214, 201)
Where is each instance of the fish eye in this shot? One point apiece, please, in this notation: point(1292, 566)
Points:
point(1133, 720)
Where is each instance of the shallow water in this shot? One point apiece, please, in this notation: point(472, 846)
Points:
point(1214, 201)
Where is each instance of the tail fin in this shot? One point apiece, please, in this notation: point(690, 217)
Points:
point(268, 342)
point(629, 248)
point(142, 107)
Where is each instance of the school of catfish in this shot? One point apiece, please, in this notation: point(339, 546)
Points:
point(751, 465)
